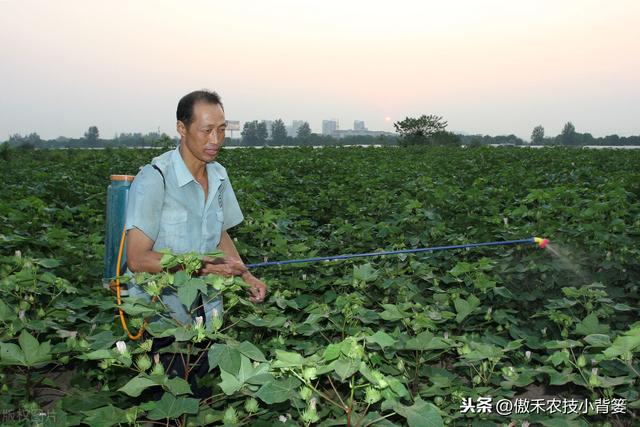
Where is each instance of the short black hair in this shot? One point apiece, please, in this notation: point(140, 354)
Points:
point(184, 113)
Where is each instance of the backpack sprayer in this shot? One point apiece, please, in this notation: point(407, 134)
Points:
point(117, 194)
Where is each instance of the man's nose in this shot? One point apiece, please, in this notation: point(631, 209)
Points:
point(215, 139)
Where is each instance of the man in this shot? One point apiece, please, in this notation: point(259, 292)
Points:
point(184, 201)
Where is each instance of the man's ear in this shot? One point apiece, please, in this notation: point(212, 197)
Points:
point(181, 128)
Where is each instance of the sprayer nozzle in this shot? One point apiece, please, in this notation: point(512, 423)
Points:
point(541, 242)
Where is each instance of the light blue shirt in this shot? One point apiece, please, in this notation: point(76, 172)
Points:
point(176, 216)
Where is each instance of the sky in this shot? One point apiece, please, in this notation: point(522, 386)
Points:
point(491, 67)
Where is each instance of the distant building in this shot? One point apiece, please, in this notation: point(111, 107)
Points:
point(359, 125)
point(292, 130)
point(329, 127)
point(339, 134)
point(232, 125)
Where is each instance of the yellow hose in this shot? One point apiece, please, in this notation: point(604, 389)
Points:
point(119, 299)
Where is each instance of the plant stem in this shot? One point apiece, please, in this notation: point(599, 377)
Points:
point(379, 419)
point(204, 350)
point(350, 409)
point(364, 413)
point(324, 395)
point(336, 391)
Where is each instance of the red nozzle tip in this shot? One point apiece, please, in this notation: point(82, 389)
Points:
point(543, 243)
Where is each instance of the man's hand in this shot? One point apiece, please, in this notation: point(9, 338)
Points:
point(258, 288)
point(223, 266)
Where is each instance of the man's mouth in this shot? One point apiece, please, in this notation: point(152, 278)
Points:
point(211, 152)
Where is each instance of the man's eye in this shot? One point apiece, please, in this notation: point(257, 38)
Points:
point(222, 129)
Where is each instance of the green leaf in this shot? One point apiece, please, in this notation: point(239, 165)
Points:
point(5, 312)
point(188, 292)
point(105, 417)
point(461, 268)
point(426, 341)
point(260, 375)
point(365, 273)
point(482, 351)
point(482, 282)
point(622, 345)
point(247, 371)
point(97, 355)
point(11, 354)
point(180, 278)
point(553, 344)
point(345, 367)
point(558, 358)
point(590, 325)
point(285, 359)
point(34, 352)
point(278, 391)
point(382, 339)
point(177, 386)
point(397, 386)
point(421, 414)
point(229, 383)
point(172, 407)
point(137, 309)
point(48, 262)
point(227, 357)
point(598, 340)
point(137, 385)
point(392, 312)
point(251, 351)
point(465, 307)
point(332, 352)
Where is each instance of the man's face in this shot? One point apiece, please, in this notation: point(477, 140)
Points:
point(204, 136)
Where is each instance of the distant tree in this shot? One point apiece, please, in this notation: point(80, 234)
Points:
point(262, 133)
point(278, 132)
point(419, 131)
point(92, 134)
point(568, 135)
point(28, 142)
point(444, 138)
point(537, 136)
point(250, 133)
point(164, 141)
point(304, 133)
point(611, 140)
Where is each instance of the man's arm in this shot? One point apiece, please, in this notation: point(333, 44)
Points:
point(142, 257)
point(227, 246)
point(140, 253)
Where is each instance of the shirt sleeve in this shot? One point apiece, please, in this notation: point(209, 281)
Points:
point(232, 215)
point(144, 205)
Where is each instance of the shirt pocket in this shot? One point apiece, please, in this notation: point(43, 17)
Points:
point(173, 231)
point(172, 217)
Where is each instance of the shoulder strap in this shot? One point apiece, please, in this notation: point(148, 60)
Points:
point(164, 184)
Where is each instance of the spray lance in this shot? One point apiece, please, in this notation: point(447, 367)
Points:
point(541, 242)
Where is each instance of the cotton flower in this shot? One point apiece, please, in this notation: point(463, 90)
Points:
point(199, 321)
point(121, 346)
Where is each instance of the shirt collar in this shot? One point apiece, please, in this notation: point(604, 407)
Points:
point(183, 174)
